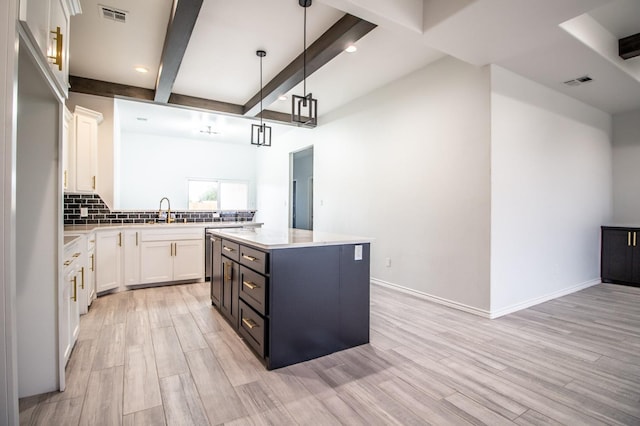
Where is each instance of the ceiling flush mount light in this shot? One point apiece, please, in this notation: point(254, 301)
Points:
point(260, 134)
point(351, 48)
point(142, 70)
point(304, 109)
point(282, 97)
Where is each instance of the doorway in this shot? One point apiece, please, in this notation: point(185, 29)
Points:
point(301, 189)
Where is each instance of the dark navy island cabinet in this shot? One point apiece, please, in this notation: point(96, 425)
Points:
point(293, 304)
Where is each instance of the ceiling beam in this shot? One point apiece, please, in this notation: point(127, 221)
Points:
point(629, 47)
point(114, 90)
point(185, 14)
point(348, 29)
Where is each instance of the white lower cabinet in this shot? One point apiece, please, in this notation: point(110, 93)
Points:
point(69, 320)
point(108, 260)
point(131, 263)
point(90, 274)
point(171, 255)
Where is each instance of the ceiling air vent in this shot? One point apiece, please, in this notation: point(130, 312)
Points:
point(579, 81)
point(113, 14)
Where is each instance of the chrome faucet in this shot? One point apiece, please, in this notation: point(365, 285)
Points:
point(169, 220)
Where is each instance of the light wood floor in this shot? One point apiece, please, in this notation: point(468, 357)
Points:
point(164, 356)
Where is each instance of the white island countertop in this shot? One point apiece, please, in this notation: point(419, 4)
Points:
point(81, 229)
point(268, 239)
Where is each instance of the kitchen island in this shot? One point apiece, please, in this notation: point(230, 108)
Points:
point(292, 295)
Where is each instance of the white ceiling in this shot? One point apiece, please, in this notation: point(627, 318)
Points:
point(524, 36)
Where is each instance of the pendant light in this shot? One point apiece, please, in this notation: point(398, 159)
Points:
point(304, 109)
point(260, 133)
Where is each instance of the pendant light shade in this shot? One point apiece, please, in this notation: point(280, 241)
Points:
point(304, 109)
point(260, 133)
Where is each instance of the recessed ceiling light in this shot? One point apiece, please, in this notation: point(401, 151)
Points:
point(351, 48)
point(282, 97)
point(141, 69)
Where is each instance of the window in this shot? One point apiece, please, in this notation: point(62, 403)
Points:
point(218, 195)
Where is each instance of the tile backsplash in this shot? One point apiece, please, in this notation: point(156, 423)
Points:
point(99, 213)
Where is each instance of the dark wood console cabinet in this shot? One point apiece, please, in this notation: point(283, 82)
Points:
point(620, 255)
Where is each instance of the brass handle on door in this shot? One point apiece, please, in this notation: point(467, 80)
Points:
point(629, 238)
point(251, 285)
point(82, 275)
point(75, 289)
point(93, 182)
point(251, 258)
point(136, 239)
point(175, 249)
point(249, 323)
point(57, 59)
point(225, 248)
point(119, 239)
point(92, 260)
point(634, 238)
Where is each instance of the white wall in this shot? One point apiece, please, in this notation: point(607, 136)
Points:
point(8, 77)
point(105, 181)
point(38, 226)
point(407, 165)
point(551, 192)
point(151, 167)
point(626, 168)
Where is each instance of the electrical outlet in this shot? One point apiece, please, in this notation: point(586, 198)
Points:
point(84, 211)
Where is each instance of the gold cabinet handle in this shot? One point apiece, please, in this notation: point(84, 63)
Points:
point(136, 239)
point(251, 258)
point(67, 262)
point(65, 179)
point(171, 249)
point(93, 182)
point(249, 323)
point(76, 254)
point(75, 289)
point(119, 239)
point(634, 238)
point(175, 249)
point(82, 276)
point(229, 249)
point(57, 58)
point(629, 238)
point(251, 285)
point(92, 260)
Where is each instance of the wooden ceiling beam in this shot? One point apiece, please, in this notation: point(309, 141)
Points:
point(179, 30)
point(629, 47)
point(115, 90)
point(346, 30)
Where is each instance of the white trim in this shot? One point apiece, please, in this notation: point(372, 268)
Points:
point(482, 312)
point(544, 298)
point(439, 300)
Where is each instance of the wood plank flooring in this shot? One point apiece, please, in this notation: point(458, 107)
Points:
point(163, 355)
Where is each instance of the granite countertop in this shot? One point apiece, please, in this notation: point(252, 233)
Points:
point(81, 229)
point(289, 238)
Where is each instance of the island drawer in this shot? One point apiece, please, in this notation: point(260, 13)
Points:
point(253, 288)
point(231, 250)
point(254, 259)
point(252, 328)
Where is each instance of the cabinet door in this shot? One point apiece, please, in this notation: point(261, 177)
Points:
point(216, 270)
point(74, 309)
point(187, 260)
point(59, 18)
point(617, 255)
point(230, 279)
point(65, 306)
point(86, 144)
point(156, 261)
point(131, 262)
point(36, 14)
point(108, 260)
point(67, 184)
point(90, 276)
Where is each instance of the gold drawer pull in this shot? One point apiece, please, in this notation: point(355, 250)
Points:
point(76, 254)
point(251, 285)
point(67, 262)
point(225, 248)
point(251, 258)
point(75, 289)
point(249, 323)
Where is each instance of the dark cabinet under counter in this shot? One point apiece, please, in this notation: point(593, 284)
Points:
point(295, 301)
point(620, 255)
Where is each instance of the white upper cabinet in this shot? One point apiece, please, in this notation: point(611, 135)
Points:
point(84, 146)
point(48, 21)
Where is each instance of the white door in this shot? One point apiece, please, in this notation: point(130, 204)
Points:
point(108, 260)
point(156, 261)
point(131, 264)
point(187, 260)
point(86, 138)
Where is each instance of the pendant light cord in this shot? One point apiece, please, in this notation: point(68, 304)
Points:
point(260, 91)
point(304, 55)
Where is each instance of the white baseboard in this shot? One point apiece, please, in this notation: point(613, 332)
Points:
point(432, 298)
point(491, 314)
point(544, 298)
